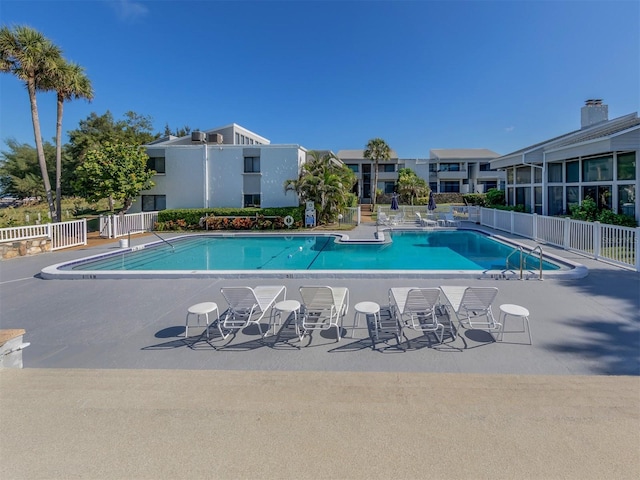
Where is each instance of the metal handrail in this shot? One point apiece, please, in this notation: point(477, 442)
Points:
point(539, 250)
point(151, 231)
point(517, 250)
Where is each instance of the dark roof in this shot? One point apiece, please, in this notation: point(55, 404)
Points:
point(599, 130)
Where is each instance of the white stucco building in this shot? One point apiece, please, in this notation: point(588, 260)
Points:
point(600, 160)
point(224, 167)
point(363, 169)
point(459, 170)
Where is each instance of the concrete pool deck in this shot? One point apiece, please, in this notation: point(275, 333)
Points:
point(110, 389)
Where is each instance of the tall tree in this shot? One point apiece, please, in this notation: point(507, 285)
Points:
point(326, 181)
point(178, 132)
point(69, 82)
point(96, 130)
point(117, 171)
point(30, 56)
point(19, 169)
point(377, 151)
point(410, 185)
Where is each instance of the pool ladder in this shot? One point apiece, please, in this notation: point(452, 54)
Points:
point(523, 259)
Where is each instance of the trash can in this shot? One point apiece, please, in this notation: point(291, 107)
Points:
point(124, 243)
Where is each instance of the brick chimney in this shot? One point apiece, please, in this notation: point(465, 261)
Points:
point(593, 112)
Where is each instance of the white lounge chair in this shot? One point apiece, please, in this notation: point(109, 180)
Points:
point(450, 220)
point(425, 222)
point(322, 308)
point(383, 219)
point(248, 306)
point(417, 308)
point(472, 306)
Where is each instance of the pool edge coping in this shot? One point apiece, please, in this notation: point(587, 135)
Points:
point(575, 270)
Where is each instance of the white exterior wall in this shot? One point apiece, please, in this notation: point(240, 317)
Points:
point(184, 182)
point(226, 165)
point(279, 164)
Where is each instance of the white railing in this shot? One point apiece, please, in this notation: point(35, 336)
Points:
point(68, 234)
point(10, 234)
point(613, 243)
point(62, 234)
point(351, 216)
point(114, 226)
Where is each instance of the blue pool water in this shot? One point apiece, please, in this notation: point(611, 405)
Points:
point(434, 250)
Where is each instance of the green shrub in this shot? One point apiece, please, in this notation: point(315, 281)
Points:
point(228, 218)
point(478, 199)
point(588, 211)
point(495, 196)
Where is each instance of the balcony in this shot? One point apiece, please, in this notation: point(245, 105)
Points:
point(453, 175)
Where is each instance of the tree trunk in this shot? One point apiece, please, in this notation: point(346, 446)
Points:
point(127, 204)
point(31, 87)
point(374, 186)
point(110, 203)
point(59, 159)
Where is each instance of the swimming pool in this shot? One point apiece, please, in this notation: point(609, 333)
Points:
point(405, 253)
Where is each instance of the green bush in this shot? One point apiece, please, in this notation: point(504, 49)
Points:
point(218, 218)
point(495, 197)
point(478, 199)
point(588, 211)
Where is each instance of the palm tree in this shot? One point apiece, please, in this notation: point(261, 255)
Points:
point(30, 56)
point(70, 82)
point(325, 181)
point(410, 185)
point(377, 151)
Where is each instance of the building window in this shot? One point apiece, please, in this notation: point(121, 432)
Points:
point(573, 171)
point(537, 175)
point(523, 175)
point(353, 168)
point(485, 167)
point(433, 167)
point(450, 187)
point(510, 176)
point(554, 174)
point(153, 203)
point(523, 197)
point(537, 200)
point(600, 193)
point(627, 200)
point(573, 198)
point(252, 200)
point(251, 164)
point(449, 167)
point(386, 168)
point(389, 187)
point(488, 185)
point(237, 138)
point(433, 186)
point(555, 201)
point(156, 163)
point(597, 169)
point(627, 166)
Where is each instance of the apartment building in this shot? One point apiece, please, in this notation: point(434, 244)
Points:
point(599, 160)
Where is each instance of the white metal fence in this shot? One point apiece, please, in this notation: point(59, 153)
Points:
point(114, 226)
point(351, 216)
point(613, 243)
point(62, 234)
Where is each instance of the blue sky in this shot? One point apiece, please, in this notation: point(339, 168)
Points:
point(327, 74)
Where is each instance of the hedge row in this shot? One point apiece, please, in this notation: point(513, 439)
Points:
point(218, 218)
